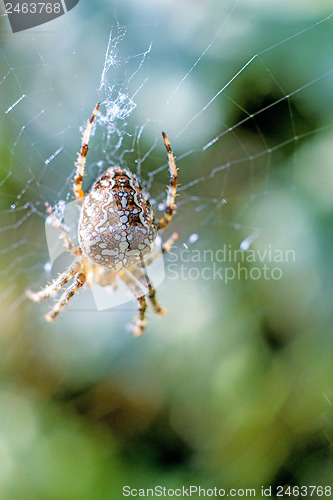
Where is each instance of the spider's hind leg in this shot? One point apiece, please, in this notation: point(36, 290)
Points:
point(55, 285)
point(142, 276)
point(66, 296)
point(140, 322)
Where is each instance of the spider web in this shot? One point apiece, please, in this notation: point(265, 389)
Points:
point(241, 91)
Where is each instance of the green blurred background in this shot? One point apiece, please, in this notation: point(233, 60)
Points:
point(233, 388)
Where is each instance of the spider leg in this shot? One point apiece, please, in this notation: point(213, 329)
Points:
point(143, 277)
point(140, 322)
point(145, 280)
point(62, 231)
point(172, 189)
point(166, 247)
point(56, 284)
point(66, 296)
point(81, 160)
point(141, 273)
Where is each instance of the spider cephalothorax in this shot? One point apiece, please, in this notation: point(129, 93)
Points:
point(117, 233)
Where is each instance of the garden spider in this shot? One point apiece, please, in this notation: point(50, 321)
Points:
point(117, 231)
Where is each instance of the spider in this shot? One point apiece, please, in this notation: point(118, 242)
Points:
point(116, 233)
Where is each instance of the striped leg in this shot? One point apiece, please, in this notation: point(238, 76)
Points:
point(141, 274)
point(152, 297)
point(56, 284)
point(145, 280)
point(172, 189)
point(66, 296)
point(81, 161)
point(140, 322)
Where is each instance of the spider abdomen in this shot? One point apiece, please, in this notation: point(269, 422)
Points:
point(117, 227)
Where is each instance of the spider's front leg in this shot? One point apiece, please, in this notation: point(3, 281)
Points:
point(81, 161)
point(172, 189)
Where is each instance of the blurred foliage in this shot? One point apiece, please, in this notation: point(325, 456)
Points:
point(233, 388)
